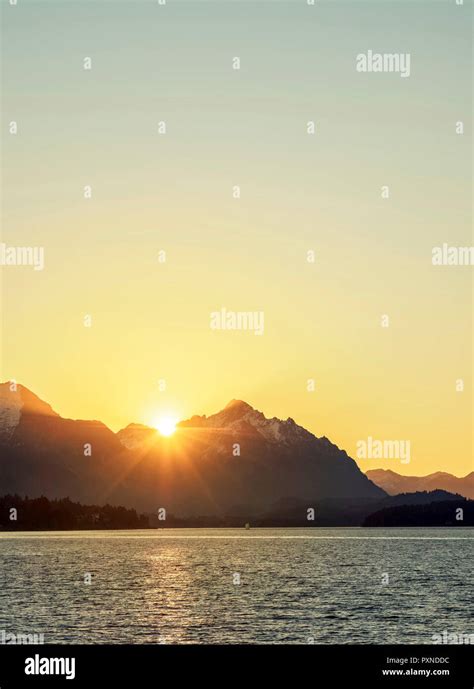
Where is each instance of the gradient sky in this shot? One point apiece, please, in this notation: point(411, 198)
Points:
point(298, 192)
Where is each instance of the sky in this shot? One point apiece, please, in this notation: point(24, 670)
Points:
point(174, 192)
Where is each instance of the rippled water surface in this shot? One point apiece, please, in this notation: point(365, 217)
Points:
point(296, 585)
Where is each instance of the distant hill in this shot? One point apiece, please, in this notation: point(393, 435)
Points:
point(439, 513)
point(393, 483)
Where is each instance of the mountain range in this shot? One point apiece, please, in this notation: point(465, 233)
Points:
point(231, 461)
point(236, 463)
point(393, 483)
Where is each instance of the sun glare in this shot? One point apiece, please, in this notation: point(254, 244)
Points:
point(166, 425)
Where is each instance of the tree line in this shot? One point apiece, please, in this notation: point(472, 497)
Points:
point(37, 514)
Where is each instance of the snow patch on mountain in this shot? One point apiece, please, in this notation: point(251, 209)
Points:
point(16, 401)
point(136, 434)
point(10, 411)
point(238, 416)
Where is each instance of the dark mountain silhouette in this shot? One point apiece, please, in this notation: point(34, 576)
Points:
point(393, 483)
point(235, 461)
point(44, 454)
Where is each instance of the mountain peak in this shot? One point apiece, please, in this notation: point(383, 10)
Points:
point(15, 401)
point(239, 404)
point(240, 417)
point(16, 396)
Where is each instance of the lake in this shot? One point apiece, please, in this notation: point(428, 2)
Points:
point(228, 586)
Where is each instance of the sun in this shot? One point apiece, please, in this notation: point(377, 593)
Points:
point(166, 425)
